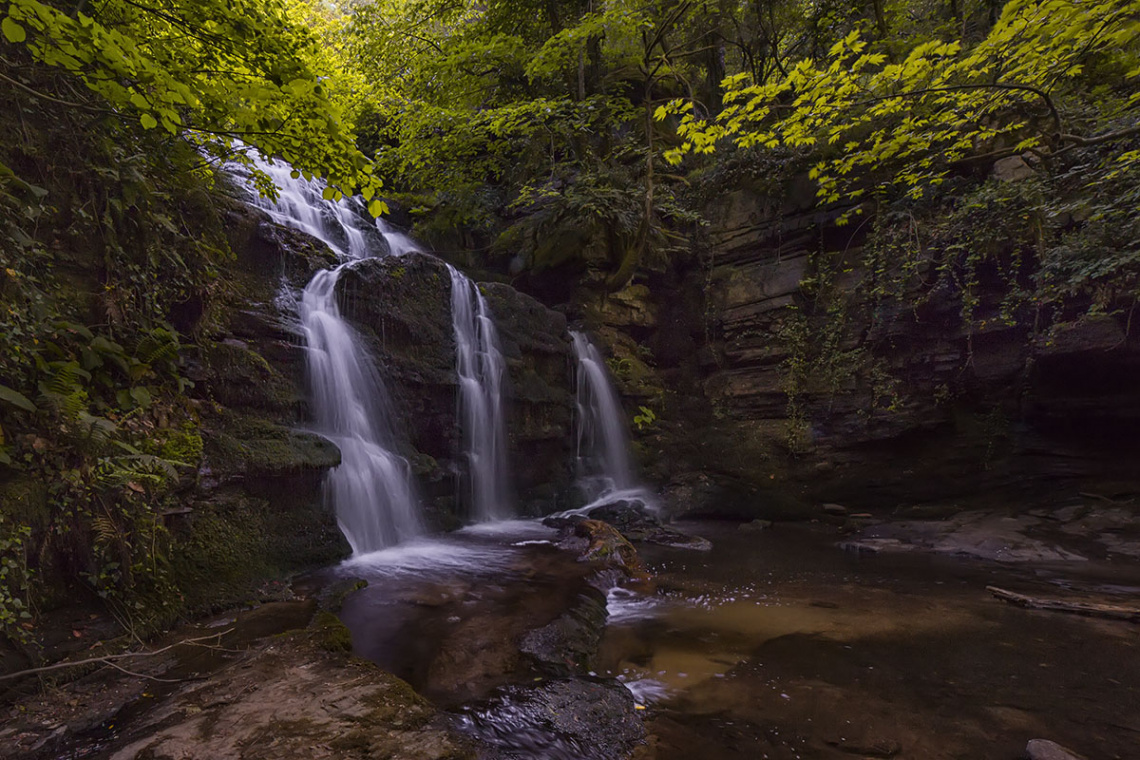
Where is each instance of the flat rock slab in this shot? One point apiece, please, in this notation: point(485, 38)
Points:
point(289, 699)
point(978, 535)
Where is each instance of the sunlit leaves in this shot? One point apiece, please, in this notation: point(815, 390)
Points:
point(230, 75)
point(13, 32)
point(941, 103)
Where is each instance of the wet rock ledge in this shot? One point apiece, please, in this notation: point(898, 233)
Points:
point(252, 693)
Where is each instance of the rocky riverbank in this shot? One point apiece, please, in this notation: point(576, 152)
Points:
point(771, 637)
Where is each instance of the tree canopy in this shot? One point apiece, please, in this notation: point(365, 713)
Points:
point(914, 117)
point(222, 74)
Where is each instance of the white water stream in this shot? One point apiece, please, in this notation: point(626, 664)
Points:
point(482, 373)
point(372, 491)
point(605, 472)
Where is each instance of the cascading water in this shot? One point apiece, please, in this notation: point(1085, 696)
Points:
point(606, 474)
point(372, 490)
point(299, 204)
point(481, 375)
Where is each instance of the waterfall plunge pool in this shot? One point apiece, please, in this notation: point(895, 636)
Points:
point(772, 645)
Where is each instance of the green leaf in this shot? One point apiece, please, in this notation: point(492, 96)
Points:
point(148, 121)
point(13, 31)
point(16, 399)
point(377, 207)
point(141, 396)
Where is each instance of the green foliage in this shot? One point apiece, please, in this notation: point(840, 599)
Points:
point(210, 71)
point(908, 122)
point(105, 234)
point(526, 121)
point(15, 581)
point(645, 419)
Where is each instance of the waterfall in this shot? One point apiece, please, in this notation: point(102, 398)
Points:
point(606, 474)
point(372, 490)
point(481, 374)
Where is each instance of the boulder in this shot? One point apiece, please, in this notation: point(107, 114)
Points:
point(630, 517)
point(608, 546)
point(755, 526)
point(1012, 169)
point(569, 643)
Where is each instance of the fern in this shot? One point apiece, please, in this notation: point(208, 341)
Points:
point(98, 430)
point(137, 468)
point(64, 390)
point(104, 529)
point(157, 346)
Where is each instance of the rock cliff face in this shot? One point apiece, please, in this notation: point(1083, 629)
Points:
point(256, 509)
point(403, 304)
point(771, 397)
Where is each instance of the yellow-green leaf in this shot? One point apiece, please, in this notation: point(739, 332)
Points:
point(13, 31)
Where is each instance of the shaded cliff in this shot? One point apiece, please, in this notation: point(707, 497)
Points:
point(790, 359)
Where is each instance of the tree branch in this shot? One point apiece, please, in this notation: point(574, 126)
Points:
point(1102, 138)
point(110, 659)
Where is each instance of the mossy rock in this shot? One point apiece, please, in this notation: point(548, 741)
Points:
point(330, 634)
point(256, 447)
point(241, 378)
point(221, 553)
point(182, 444)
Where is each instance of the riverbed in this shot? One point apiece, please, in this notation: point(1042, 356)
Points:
point(774, 644)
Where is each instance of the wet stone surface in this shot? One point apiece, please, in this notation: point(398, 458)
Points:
point(774, 644)
point(574, 719)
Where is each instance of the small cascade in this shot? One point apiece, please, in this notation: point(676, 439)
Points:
point(373, 489)
point(341, 225)
point(482, 372)
point(398, 242)
point(605, 472)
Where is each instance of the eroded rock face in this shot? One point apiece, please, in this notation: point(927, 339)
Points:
point(403, 304)
point(1013, 392)
point(540, 395)
point(931, 407)
point(254, 505)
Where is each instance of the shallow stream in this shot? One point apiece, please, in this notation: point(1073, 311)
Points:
point(775, 644)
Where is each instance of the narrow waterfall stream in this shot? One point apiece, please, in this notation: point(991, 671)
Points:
point(481, 374)
point(372, 491)
point(605, 471)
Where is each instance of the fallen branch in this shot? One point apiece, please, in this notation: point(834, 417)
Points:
point(1091, 609)
point(110, 659)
